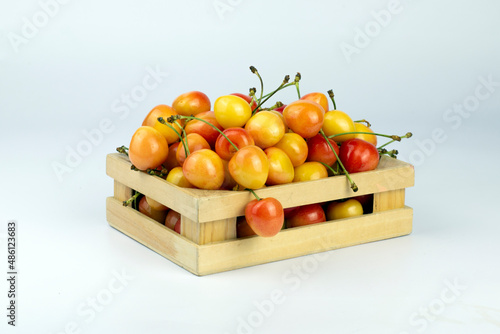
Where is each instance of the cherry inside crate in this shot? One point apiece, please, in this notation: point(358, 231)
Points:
point(208, 244)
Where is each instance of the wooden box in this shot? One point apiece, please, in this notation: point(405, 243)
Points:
point(208, 244)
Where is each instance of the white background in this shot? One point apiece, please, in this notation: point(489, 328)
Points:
point(67, 75)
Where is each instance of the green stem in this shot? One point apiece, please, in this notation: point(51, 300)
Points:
point(297, 79)
point(254, 70)
point(329, 167)
point(253, 193)
point(268, 96)
point(407, 135)
point(364, 121)
point(382, 146)
point(186, 148)
point(330, 93)
point(122, 149)
point(392, 153)
point(131, 199)
point(251, 93)
point(185, 141)
point(158, 173)
point(254, 100)
point(284, 84)
point(277, 105)
point(393, 137)
point(173, 118)
point(354, 187)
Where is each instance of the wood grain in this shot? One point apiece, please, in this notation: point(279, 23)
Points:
point(238, 253)
point(208, 243)
point(152, 234)
point(217, 257)
point(388, 200)
point(218, 230)
point(211, 205)
point(121, 192)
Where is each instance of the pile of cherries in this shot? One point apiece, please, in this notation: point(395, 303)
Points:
point(238, 144)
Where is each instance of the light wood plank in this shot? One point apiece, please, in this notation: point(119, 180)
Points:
point(390, 174)
point(217, 257)
point(388, 200)
point(177, 198)
point(212, 205)
point(121, 192)
point(219, 230)
point(233, 254)
point(208, 245)
point(152, 234)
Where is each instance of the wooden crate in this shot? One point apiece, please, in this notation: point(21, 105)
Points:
point(208, 244)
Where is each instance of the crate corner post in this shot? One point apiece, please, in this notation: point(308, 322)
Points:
point(208, 232)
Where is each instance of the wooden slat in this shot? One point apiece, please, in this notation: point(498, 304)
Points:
point(121, 192)
point(211, 205)
point(239, 253)
point(388, 200)
point(179, 199)
point(219, 230)
point(208, 243)
point(153, 235)
point(390, 174)
point(305, 240)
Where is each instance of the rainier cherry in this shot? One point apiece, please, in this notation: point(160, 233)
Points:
point(265, 216)
point(295, 147)
point(304, 117)
point(204, 169)
point(320, 151)
point(249, 167)
point(148, 148)
point(337, 122)
point(319, 98)
point(191, 103)
point(359, 127)
point(358, 155)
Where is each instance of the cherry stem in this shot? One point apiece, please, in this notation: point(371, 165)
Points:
point(330, 93)
point(329, 167)
point(407, 135)
point(252, 96)
point(253, 193)
point(173, 118)
point(122, 149)
point(251, 92)
point(392, 153)
point(337, 165)
point(296, 81)
point(158, 173)
point(186, 148)
point(254, 70)
point(282, 87)
point(354, 187)
point(393, 137)
point(131, 199)
point(254, 99)
point(268, 96)
point(151, 171)
point(364, 121)
point(284, 84)
point(277, 105)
